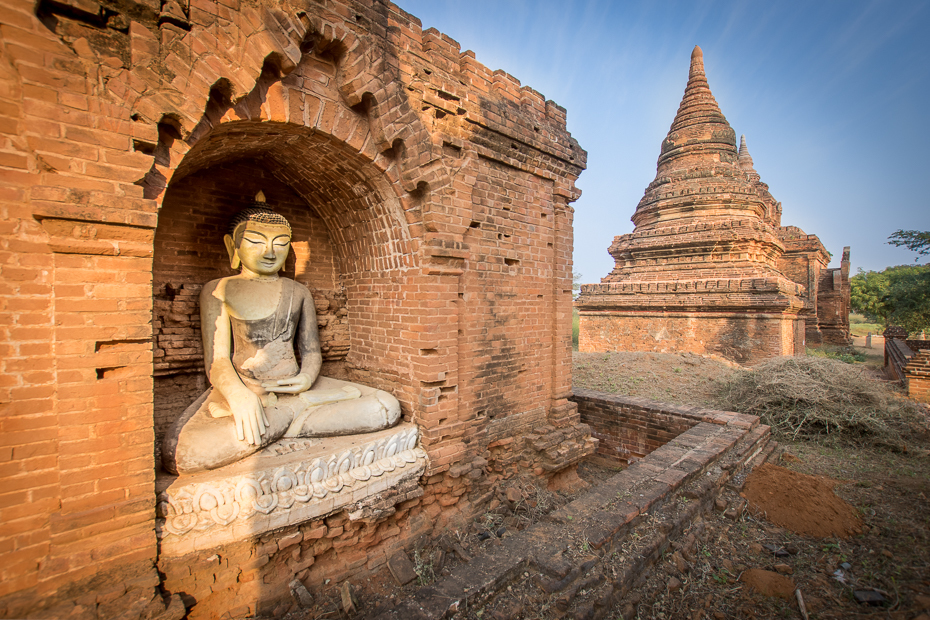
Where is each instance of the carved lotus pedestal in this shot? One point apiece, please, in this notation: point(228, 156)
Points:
point(287, 483)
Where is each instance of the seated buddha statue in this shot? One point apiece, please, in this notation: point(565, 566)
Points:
point(251, 324)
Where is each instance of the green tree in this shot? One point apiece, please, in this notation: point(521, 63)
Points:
point(909, 297)
point(868, 291)
point(916, 240)
point(576, 283)
point(896, 296)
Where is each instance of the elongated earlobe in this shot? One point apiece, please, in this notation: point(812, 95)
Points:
point(232, 251)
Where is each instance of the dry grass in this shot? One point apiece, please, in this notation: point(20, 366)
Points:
point(810, 397)
point(679, 378)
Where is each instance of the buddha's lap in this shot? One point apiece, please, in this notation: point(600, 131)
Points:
point(368, 402)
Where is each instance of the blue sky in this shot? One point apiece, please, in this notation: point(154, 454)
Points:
point(833, 97)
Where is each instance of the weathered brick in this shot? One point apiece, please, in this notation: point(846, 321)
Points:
point(442, 279)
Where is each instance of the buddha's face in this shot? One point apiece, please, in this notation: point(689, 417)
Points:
point(263, 248)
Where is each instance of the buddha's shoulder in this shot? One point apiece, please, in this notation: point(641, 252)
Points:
point(211, 291)
point(218, 287)
point(296, 286)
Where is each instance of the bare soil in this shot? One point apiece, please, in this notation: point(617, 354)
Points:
point(804, 504)
point(888, 559)
point(746, 559)
point(743, 565)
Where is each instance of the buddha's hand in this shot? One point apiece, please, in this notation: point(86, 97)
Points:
point(251, 421)
point(292, 385)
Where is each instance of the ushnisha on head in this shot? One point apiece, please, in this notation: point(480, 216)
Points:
point(258, 240)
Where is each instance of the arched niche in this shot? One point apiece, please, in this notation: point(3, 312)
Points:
point(350, 237)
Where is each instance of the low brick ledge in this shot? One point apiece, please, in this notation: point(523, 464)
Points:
point(697, 414)
point(696, 464)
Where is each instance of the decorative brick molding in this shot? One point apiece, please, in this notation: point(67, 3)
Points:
point(287, 483)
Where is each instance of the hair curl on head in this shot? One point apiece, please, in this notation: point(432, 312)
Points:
point(262, 215)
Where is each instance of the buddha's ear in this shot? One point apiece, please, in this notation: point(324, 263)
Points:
point(232, 251)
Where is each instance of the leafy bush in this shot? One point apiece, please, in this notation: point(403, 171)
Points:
point(575, 327)
point(843, 354)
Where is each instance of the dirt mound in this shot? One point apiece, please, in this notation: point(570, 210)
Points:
point(804, 504)
point(768, 583)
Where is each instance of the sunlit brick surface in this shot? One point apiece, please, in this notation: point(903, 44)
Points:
point(430, 199)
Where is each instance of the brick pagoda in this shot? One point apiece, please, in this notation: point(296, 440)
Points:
point(700, 272)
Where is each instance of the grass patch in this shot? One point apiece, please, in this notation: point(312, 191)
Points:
point(575, 327)
point(859, 325)
point(843, 354)
point(863, 329)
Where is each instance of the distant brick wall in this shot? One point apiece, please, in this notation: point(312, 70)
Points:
point(908, 361)
point(744, 338)
point(803, 261)
point(833, 306)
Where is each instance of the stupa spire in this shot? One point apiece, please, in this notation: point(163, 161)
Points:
point(697, 62)
point(699, 128)
point(745, 159)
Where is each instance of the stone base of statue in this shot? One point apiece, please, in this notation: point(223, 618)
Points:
point(289, 482)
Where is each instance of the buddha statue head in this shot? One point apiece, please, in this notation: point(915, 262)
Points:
point(258, 240)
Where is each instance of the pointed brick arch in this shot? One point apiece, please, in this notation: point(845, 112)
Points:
point(261, 80)
point(351, 237)
point(353, 195)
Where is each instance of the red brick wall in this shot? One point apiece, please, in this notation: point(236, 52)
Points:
point(743, 338)
point(803, 261)
point(908, 361)
point(918, 376)
point(438, 228)
point(629, 428)
point(833, 306)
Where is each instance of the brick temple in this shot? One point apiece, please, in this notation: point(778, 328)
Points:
point(709, 268)
point(430, 202)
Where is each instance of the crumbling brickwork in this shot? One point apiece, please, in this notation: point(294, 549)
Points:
point(826, 301)
point(628, 428)
point(708, 268)
point(833, 295)
point(430, 198)
point(908, 362)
